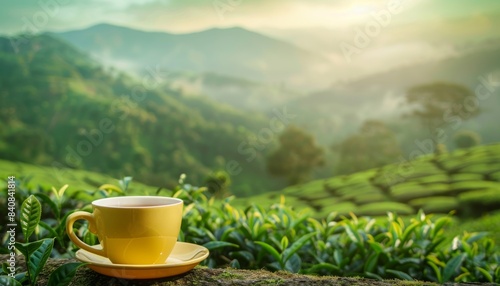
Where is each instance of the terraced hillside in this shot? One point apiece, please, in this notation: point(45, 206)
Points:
point(47, 177)
point(467, 181)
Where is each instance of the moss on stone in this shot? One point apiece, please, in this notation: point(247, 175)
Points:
point(201, 276)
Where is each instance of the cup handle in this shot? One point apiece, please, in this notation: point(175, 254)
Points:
point(92, 227)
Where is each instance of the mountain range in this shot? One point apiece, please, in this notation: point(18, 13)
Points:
point(338, 111)
point(233, 52)
point(211, 100)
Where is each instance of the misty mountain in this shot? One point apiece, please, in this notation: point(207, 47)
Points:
point(62, 109)
point(232, 51)
point(338, 111)
point(237, 92)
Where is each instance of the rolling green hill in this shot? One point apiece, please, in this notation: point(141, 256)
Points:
point(467, 181)
point(77, 180)
point(61, 109)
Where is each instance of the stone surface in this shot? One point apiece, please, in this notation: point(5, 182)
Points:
point(201, 276)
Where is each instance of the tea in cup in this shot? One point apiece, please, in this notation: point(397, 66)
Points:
point(131, 230)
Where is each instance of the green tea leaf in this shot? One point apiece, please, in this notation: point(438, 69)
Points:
point(296, 246)
point(52, 231)
point(407, 232)
point(21, 277)
point(284, 243)
point(235, 264)
point(399, 274)
point(62, 190)
point(435, 260)
point(452, 266)
point(327, 267)
point(293, 264)
point(211, 245)
point(5, 269)
point(244, 255)
point(461, 277)
point(485, 273)
point(337, 256)
point(376, 246)
point(226, 233)
point(476, 236)
point(27, 248)
point(110, 188)
point(63, 275)
point(37, 259)
point(31, 210)
point(36, 253)
point(434, 267)
point(353, 235)
point(53, 206)
point(9, 281)
point(371, 262)
point(373, 276)
point(439, 224)
point(269, 249)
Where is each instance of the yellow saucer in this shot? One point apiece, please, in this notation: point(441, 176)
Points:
point(184, 257)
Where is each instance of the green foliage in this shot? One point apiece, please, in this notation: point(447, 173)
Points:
point(465, 181)
point(63, 275)
point(373, 146)
point(431, 102)
point(218, 184)
point(279, 238)
point(30, 215)
point(37, 252)
point(297, 155)
point(466, 139)
point(9, 281)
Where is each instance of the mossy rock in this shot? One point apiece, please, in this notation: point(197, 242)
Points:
point(202, 276)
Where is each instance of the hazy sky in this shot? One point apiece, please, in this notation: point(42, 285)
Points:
point(192, 15)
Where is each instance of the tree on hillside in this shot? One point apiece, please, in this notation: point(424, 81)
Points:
point(373, 146)
point(441, 104)
point(218, 184)
point(466, 139)
point(297, 155)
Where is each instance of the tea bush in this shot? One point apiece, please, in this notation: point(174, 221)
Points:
point(281, 238)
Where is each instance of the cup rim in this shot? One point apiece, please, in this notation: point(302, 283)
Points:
point(157, 201)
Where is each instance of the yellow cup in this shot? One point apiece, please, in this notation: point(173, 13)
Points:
point(131, 230)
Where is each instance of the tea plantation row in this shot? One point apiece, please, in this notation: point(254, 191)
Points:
point(467, 181)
